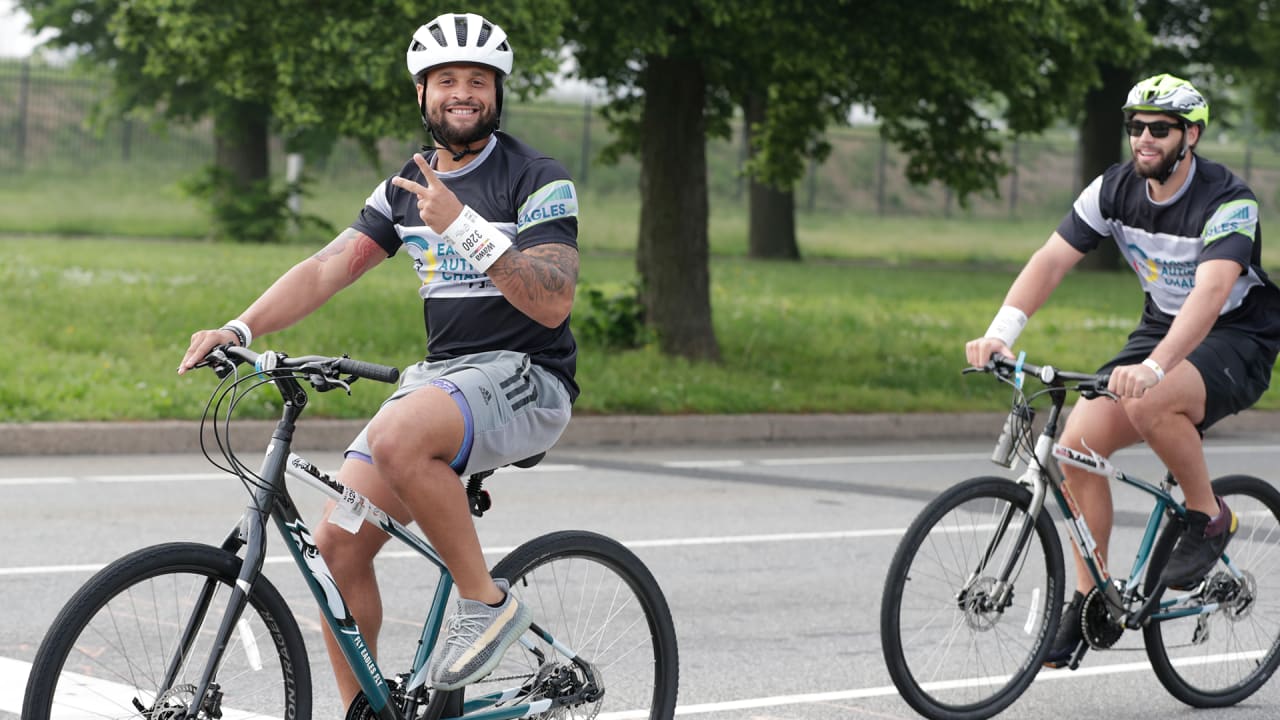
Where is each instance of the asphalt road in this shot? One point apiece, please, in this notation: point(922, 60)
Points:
point(771, 556)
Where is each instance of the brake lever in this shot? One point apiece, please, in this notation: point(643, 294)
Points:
point(323, 383)
point(325, 377)
point(217, 361)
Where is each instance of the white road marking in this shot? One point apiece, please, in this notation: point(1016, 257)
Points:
point(503, 550)
point(92, 694)
point(37, 480)
point(708, 463)
point(162, 477)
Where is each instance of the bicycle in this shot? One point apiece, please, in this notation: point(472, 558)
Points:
point(974, 592)
point(187, 630)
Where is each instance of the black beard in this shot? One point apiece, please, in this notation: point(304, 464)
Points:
point(1161, 170)
point(456, 138)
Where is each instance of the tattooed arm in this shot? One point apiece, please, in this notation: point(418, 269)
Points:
point(310, 283)
point(303, 288)
point(539, 281)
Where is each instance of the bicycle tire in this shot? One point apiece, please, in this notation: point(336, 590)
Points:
point(949, 655)
point(594, 595)
point(111, 643)
point(1221, 658)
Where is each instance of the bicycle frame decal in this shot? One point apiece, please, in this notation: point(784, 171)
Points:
point(309, 554)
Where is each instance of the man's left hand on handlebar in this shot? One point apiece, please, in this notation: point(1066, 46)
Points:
point(1132, 381)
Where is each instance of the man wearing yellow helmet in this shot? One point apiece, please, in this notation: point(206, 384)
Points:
point(1207, 340)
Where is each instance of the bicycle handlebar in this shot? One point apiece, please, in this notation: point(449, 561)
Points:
point(1087, 384)
point(224, 357)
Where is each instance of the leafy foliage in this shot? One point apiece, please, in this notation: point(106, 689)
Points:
point(259, 215)
point(610, 318)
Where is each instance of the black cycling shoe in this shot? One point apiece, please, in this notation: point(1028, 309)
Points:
point(1200, 546)
point(1070, 636)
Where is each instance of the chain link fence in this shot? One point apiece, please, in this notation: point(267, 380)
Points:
point(49, 126)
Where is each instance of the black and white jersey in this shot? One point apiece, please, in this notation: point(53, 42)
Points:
point(527, 196)
point(1214, 215)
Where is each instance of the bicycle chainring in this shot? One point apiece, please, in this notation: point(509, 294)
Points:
point(1100, 630)
point(360, 710)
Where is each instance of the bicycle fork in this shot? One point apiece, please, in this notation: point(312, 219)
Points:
point(251, 532)
point(1001, 591)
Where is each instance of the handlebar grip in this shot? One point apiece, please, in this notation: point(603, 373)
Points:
point(369, 371)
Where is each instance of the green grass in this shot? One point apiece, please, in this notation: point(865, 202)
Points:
point(95, 328)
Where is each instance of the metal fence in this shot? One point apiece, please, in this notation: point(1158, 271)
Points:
point(48, 126)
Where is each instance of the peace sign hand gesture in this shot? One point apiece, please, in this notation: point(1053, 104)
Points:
point(470, 235)
point(437, 205)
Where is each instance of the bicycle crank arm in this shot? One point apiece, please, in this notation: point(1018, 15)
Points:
point(1138, 619)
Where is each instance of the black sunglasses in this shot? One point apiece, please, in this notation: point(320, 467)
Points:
point(1159, 128)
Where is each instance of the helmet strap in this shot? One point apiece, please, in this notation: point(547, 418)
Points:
point(1182, 155)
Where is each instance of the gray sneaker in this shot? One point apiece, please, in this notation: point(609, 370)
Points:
point(478, 636)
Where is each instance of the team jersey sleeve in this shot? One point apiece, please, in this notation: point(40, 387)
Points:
point(377, 220)
point(1084, 226)
point(547, 210)
point(1231, 230)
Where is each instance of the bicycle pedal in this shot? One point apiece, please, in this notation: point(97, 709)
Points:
point(1079, 655)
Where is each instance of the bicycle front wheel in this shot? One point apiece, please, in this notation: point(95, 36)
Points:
point(133, 641)
point(1223, 655)
point(958, 643)
point(597, 598)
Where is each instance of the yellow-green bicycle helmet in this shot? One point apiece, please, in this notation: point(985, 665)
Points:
point(1171, 95)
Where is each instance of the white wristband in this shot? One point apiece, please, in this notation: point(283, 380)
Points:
point(1007, 325)
point(1155, 367)
point(476, 239)
point(242, 331)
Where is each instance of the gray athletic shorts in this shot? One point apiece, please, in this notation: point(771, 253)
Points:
point(1236, 369)
point(518, 409)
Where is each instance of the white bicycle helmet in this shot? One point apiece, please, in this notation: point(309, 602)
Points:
point(459, 38)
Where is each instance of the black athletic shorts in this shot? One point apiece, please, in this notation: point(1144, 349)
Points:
point(1235, 367)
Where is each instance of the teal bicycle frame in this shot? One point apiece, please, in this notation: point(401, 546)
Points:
point(1045, 476)
point(272, 498)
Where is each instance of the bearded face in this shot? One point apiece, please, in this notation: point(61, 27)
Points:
point(1155, 162)
point(462, 123)
point(461, 103)
point(1154, 157)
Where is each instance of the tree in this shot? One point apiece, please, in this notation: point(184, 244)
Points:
point(295, 67)
point(939, 74)
point(771, 225)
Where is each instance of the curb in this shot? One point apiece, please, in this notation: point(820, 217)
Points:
point(175, 436)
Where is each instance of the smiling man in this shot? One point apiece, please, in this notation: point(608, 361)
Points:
point(1208, 335)
point(491, 227)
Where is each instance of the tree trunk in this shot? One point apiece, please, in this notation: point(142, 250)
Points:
point(1101, 146)
point(240, 141)
point(771, 232)
point(673, 257)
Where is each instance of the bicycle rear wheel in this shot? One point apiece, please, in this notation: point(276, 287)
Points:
point(108, 652)
point(596, 597)
point(1221, 657)
point(953, 648)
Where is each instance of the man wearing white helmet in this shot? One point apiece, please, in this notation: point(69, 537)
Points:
point(490, 226)
point(1207, 339)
